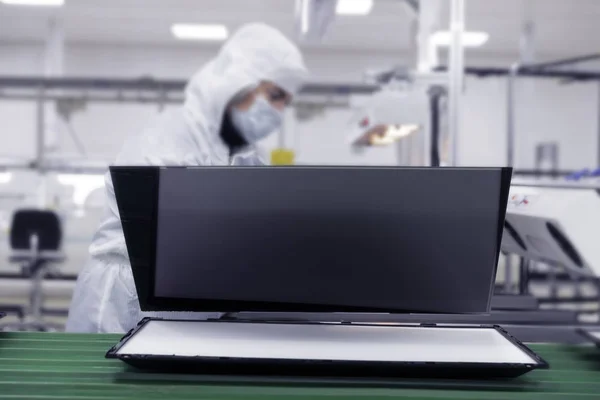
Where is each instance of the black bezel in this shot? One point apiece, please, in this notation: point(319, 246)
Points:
point(229, 365)
point(139, 227)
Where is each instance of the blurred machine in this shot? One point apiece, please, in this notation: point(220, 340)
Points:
point(35, 240)
point(388, 116)
point(555, 224)
point(397, 116)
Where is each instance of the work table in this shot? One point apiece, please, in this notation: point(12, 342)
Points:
point(71, 366)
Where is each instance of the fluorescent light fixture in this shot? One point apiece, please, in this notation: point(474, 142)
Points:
point(305, 20)
point(199, 32)
point(354, 7)
point(5, 177)
point(469, 39)
point(84, 185)
point(39, 3)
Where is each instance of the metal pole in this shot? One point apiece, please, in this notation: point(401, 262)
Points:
point(435, 96)
point(153, 85)
point(527, 39)
point(564, 75)
point(510, 115)
point(54, 60)
point(428, 21)
point(457, 25)
point(563, 62)
point(556, 185)
point(508, 275)
point(598, 127)
point(40, 125)
point(40, 148)
point(524, 276)
point(37, 274)
point(552, 282)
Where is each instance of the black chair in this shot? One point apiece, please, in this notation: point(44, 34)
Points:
point(35, 240)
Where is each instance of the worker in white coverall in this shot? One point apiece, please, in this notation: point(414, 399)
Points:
point(231, 103)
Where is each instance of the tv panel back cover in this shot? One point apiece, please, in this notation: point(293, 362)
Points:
point(313, 239)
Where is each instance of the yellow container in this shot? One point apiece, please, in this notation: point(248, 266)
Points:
point(282, 157)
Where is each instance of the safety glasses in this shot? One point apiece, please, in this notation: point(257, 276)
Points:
point(276, 94)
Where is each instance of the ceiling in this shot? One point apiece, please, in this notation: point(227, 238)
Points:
point(563, 27)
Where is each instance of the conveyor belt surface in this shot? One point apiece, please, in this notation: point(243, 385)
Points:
point(68, 366)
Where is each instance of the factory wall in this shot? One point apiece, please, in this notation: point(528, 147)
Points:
point(102, 127)
point(547, 111)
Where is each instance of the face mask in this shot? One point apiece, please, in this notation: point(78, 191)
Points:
point(257, 122)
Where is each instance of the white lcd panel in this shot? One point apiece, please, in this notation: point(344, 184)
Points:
point(324, 342)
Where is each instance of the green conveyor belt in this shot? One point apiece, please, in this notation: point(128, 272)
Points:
point(67, 366)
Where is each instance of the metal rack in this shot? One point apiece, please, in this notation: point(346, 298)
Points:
point(141, 90)
point(546, 70)
point(554, 275)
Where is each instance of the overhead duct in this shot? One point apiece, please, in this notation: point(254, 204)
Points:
point(313, 19)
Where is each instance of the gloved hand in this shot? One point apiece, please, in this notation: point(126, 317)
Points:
point(579, 175)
